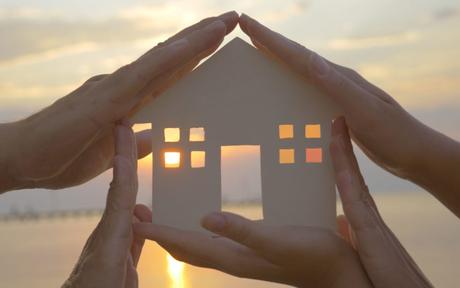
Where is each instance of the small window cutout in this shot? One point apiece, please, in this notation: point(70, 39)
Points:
point(172, 159)
point(172, 134)
point(286, 131)
point(314, 155)
point(196, 134)
point(286, 156)
point(313, 131)
point(198, 159)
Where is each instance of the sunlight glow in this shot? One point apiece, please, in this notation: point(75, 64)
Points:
point(172, 159)
point(175, 272)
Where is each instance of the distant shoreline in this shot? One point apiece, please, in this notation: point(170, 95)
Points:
point(35, 216)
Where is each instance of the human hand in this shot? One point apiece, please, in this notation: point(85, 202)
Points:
point(303, 256)
point(292, 255)
point(386, 133)
point(71, 141)
point(111, 254)
point(385, 260)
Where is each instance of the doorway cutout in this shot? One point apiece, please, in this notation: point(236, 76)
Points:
point(241, 184)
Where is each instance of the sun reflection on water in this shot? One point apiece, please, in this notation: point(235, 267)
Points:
point(175, 272)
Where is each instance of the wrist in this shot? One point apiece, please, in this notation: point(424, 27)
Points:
point(436, 167)
point(9, 143)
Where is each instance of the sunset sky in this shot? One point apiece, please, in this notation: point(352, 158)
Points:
point(408, 48)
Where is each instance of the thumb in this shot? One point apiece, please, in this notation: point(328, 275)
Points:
point(121, 198)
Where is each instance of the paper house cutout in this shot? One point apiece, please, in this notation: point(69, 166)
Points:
point(239, 96)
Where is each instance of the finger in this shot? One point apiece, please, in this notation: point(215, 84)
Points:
point(125, 87)
point(282, 246)
point(131, 279)
point(143, 213)
point(123, 189)
point(339, 127)
point(379, 249)
point(347, 93)
point(218, 253)
point(230, 20)
point(162, 82)
point(144, 143)
point(137, 245)
point(254, 235)
point(235, 227)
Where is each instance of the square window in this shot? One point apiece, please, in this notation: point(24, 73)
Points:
point(314, 155)
point(172, 134)
point(196, 134)
point(313, 131)
point(198, 159)
point(286, 131)
point(172, 159)
point(286, 156)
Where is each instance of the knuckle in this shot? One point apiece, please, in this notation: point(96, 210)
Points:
point(162, 43)
point(95, 78)
point(340, 82)
point(304, 60)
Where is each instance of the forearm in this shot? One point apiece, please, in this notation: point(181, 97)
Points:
point(9, 133)
point(438, 167)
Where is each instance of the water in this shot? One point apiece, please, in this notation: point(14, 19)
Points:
point(42, 253)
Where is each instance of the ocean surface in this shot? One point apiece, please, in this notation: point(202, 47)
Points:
point(41, 253)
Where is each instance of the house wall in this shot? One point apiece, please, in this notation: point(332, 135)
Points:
point(240, 97)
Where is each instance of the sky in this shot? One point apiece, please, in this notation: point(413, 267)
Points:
point(411, 49)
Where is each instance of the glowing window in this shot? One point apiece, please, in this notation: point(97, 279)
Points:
point(172, 159)
point(286, 156)
point(313, 131)
point(196, 134)
point(286, 131)
point(172, 134)
point(314, 155)
point(197, 159)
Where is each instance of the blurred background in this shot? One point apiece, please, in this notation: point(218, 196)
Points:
point(48, 48)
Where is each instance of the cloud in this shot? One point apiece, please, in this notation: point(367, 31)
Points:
point(286, 11)
point(356, 43)
point(31, 32)
point(446, 13)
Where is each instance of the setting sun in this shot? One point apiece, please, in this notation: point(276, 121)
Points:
point(172, 159)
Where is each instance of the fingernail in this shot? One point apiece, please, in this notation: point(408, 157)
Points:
point(244, 23)
point(215, 222)
point(319, 65)
point(228, 15)
point(229, 19)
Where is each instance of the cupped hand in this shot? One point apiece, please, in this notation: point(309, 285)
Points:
point(298, 256)
point(71, 141)
point(111, 254)
point(386, 133)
